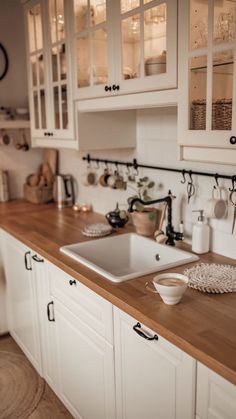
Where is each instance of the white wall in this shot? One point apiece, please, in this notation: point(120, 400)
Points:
point(13, 88)
point(13, 93)
point(157, 145)
point(19, 164)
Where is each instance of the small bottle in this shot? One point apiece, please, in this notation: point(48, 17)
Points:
point(201, 235)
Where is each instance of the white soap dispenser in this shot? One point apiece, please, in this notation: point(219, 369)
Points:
point(201, 235)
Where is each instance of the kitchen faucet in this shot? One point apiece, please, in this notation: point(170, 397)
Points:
point(172, 235)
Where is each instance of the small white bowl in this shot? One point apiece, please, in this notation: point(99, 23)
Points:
point(171, 287)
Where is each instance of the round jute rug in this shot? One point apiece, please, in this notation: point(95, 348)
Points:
point(21, 388)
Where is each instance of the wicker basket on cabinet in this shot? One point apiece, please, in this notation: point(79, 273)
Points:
point(221, 114)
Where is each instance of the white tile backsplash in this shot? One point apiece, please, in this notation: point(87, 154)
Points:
point(157, 145)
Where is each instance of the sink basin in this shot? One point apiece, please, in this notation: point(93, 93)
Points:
point(127, 256)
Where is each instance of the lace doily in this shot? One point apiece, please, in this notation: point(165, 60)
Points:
point(212, 278)
point(97, 230)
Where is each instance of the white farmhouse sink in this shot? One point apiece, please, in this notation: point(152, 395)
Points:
point(126, 256)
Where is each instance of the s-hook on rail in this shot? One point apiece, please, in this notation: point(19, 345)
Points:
point(184, 172)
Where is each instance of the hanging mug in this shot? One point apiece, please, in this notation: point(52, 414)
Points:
point(216, 206)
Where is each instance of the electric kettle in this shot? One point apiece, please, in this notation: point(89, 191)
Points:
point(63, 192)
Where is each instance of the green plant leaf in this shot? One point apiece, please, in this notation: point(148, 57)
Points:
point(139, 207)
point(151, 185)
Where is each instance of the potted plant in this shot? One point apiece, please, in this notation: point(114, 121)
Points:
point(144, 217)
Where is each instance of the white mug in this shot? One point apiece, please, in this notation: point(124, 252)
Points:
point(216, 206)
point(170, 287)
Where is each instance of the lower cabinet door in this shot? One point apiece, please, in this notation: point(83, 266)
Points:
point(85, 367)
point(21, 299)
point(154, 379)
point(216, 397)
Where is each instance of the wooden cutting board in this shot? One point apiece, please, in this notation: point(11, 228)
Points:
point(51, 158)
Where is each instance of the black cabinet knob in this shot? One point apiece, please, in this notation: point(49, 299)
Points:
point(72, 282)
point(232, 140)
point(107, 88)
point(115, 87)
point(45, 134)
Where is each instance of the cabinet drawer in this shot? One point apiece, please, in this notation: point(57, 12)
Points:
point(92, 309)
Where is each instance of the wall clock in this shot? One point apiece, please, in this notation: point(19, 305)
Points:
point(4, 62)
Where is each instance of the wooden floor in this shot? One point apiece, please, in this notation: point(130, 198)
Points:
point(50, 406)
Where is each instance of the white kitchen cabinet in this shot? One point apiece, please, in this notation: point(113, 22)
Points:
point(216, 397)
point(207, 81)
point(22, 310)
point(154, 379)
point(49, 56)
point(3, 315)
point(124, 46)
point(85, 367)
point(80, 336)
point(46, 328)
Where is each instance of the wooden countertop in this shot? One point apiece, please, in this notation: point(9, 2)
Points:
point(203, 325)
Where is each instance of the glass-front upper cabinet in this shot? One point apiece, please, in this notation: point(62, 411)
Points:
point(125, 46)
point(50, 77)
point(37, 78)
point(147, 45)
point(93, 47)
point(207, 77)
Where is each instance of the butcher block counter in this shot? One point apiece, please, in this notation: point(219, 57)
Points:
point(203, 325)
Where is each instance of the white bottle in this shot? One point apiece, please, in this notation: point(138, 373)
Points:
point(201, 235)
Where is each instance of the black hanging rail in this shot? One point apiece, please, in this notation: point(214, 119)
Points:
point(184, 172)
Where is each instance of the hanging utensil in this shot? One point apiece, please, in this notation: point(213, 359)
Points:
point(190, 187)
point(233, 201)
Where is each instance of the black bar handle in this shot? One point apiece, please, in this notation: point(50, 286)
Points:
point(50, 319)
point(137, 329)
point(37, 259)
point(72, 282)
point(27, 267)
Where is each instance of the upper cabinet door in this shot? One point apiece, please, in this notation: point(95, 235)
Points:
point(125, 46)
point(146, 45)
point(207, 79)
point(38, 82)
point(50, 72)
point(93, 48)
point(60, 74)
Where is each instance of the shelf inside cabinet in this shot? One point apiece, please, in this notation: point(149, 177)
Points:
point(15, 124)
point(204, 68)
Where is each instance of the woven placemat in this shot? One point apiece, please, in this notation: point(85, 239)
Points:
point(212, 278)
point(97, 230)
